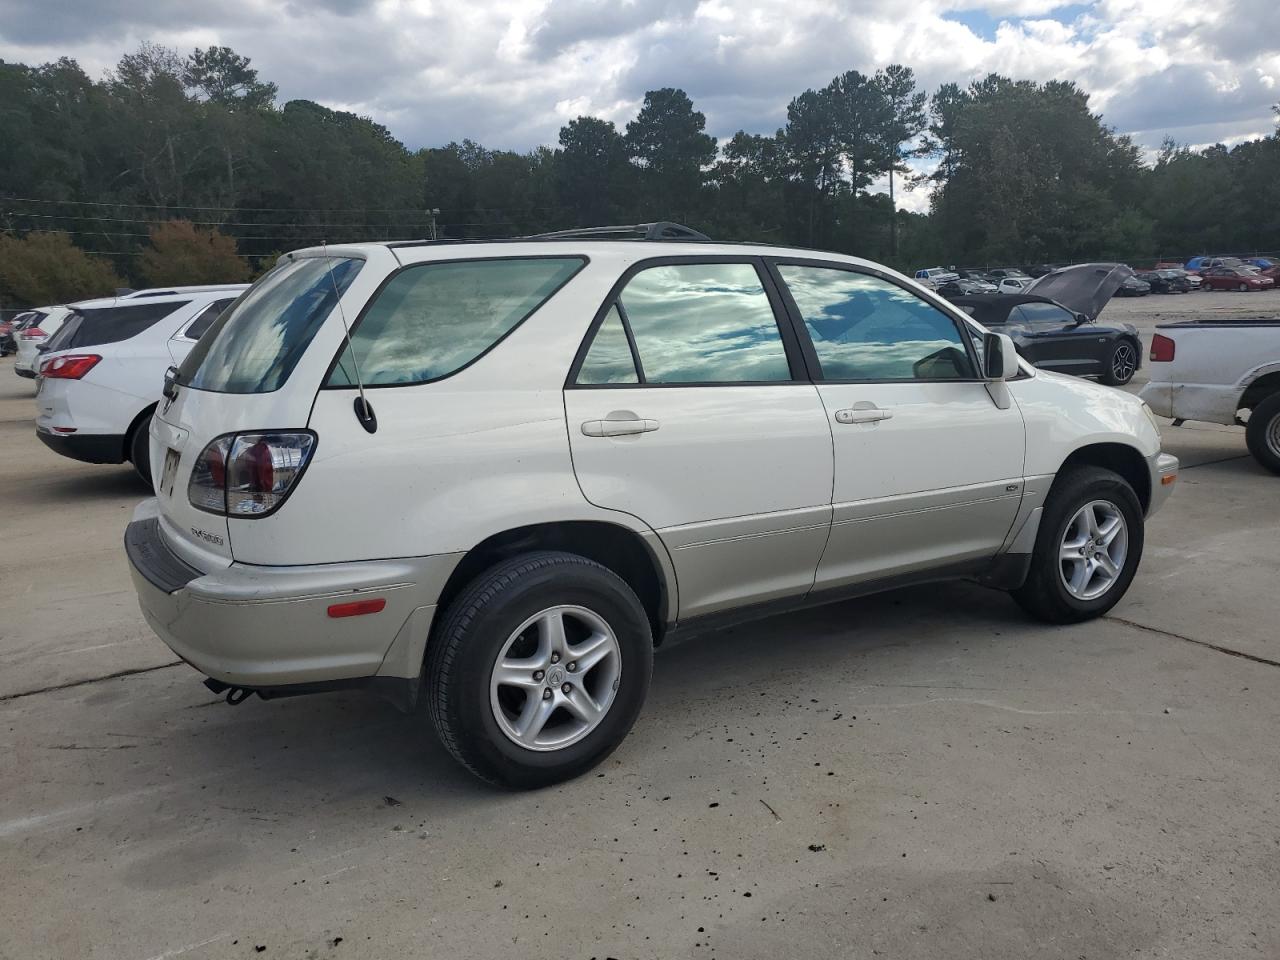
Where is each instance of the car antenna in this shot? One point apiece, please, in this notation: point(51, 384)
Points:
point(364, 412)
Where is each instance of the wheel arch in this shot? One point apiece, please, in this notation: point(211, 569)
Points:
point(1262, 386)
point(1120, 458)
point(638, 560)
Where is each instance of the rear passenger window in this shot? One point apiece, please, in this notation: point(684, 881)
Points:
point(866, 328)
point(696, 323)
point(204, 319)
point(433, 319)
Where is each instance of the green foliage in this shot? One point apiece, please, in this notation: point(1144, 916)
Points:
point(44, 268)
point(1025, 172)
point(182, 253)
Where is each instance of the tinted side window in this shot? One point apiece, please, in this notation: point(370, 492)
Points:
point(703, 323)
point(609, 360)
point(865, 328)
point(204, 319)
point(1045, 315)
point(433, 319)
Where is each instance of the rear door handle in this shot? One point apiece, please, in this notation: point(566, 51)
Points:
point(617, 428)
point(862, 415)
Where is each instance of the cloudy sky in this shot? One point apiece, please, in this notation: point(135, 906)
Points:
point(509, 74)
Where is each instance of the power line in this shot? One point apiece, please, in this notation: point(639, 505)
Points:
point(238, 209)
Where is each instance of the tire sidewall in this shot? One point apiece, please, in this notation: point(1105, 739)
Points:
point(140, 450)
point(1093, 485)
point(1260, 419)
point(569, 583)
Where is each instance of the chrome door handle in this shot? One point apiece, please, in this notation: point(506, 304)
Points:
point(862, 415)
point(617, 428)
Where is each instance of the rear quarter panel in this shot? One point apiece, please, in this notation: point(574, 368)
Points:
point(452, 462)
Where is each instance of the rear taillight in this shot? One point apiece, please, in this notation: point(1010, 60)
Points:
point(32, 333)
point(249, 474)
point(1162, 349)
point(71, 367)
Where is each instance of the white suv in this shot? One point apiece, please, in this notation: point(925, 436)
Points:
point(102, 373)
point(575, 449)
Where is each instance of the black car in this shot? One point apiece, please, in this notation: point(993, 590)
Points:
point(1167, 281)
point(1053, 337)
point(1133, 287)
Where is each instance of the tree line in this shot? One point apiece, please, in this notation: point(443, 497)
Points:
point(95, 171)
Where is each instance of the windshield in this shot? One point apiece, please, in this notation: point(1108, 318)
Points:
point(254, 346)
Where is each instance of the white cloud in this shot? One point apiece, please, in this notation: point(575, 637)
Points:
point(509, 73)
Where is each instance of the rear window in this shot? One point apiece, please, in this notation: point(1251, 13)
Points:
point(94, 326)
point(433, 319)
point(254, 346)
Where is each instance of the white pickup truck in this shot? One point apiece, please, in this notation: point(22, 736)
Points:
point(1221, 371)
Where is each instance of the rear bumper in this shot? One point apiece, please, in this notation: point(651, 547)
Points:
point(269, 627)
point(24, 372)
point(86, 447)
point(1206, 402)
point(1164, 476)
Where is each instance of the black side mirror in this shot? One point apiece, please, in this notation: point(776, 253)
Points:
point(170, 390)
point(1083, 318)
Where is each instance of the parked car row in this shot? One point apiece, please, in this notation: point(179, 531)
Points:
point(100, 366)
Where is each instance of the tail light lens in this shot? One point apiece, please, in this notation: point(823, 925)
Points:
point(249, 474)
point(32, 333)
point(71, 367)
point(1162, 349)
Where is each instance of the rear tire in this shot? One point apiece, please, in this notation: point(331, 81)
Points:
point(1067, 544)
point(140, 450)
point(1262, 433)
point(498, 658)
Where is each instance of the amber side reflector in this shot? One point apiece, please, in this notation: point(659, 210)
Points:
point(1168, 479)
point(357, 608)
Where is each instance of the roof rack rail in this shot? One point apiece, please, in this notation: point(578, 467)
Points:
point(658, 230)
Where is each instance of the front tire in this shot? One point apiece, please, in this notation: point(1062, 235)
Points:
point(1122, 364)
point(1087, 549)
point(1262, 433)
point(539, 669)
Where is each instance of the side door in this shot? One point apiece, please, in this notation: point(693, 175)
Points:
point(1058, 341)
point(689, 408)
point(928, 468)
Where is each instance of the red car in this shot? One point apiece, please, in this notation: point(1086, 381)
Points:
point(1234, 278)
point(1273, 273)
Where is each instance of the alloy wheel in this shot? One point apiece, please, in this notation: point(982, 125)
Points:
point(1094, 549)
point(1124, 362)
point(555, 678)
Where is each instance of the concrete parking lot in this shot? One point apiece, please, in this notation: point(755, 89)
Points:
point(924, 774)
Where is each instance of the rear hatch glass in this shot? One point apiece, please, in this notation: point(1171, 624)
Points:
point(254, 346)
point(94, 326)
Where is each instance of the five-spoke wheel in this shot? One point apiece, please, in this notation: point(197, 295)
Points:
point(555, 678)
point(1094, 549)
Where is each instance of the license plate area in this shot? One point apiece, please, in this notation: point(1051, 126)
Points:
point(170, 473)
